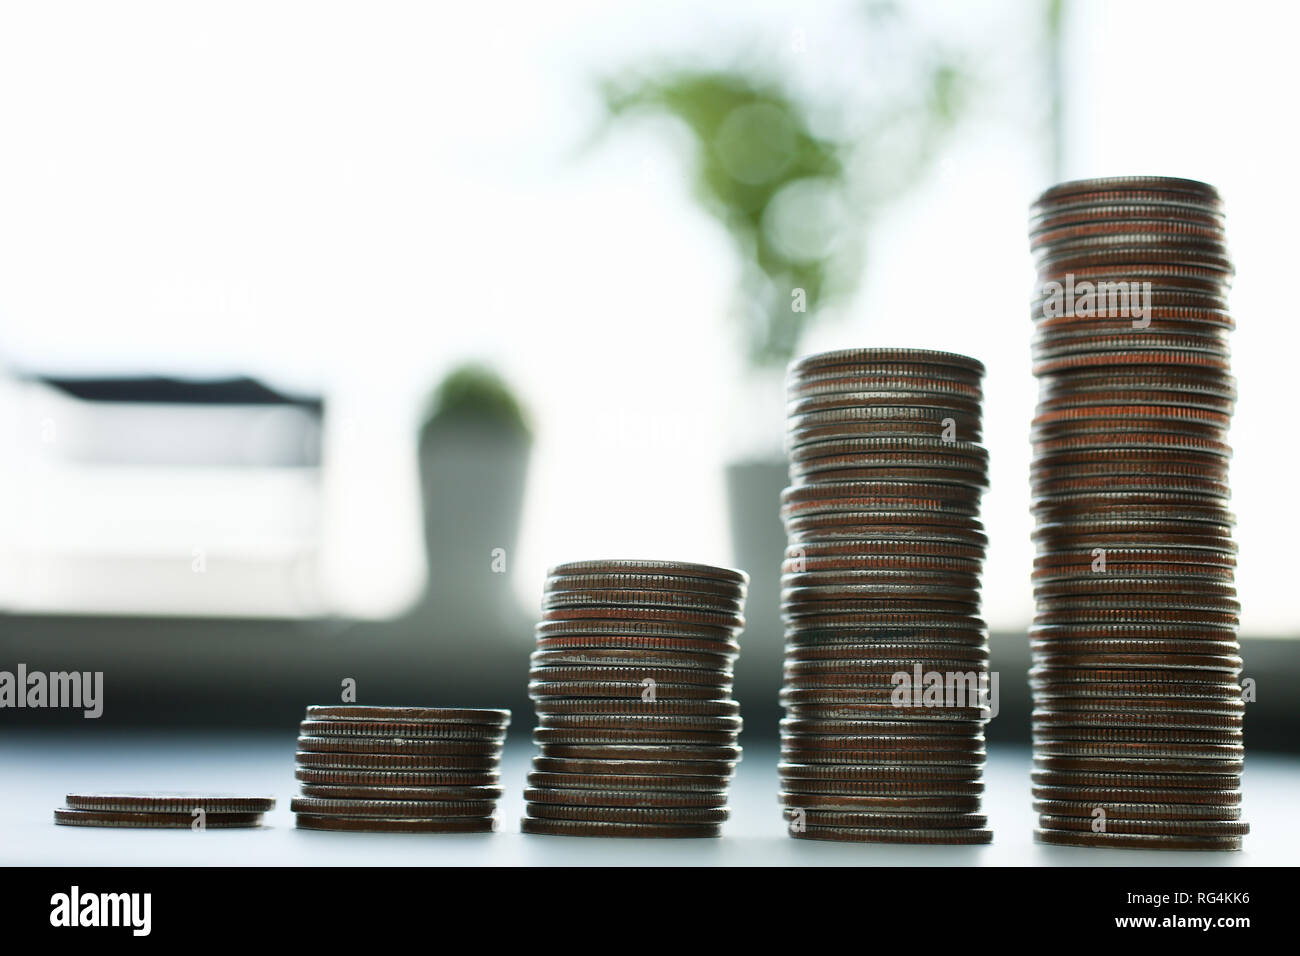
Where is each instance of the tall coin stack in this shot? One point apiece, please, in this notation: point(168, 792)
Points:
point(632, 681)
point(1136, 678)
point(399, 769)
point(881, 599)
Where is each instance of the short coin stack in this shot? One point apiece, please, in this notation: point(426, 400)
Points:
point(188, 811)
point(1137, 701)
point(399, 769)
point(881, 599)
point(632, 681)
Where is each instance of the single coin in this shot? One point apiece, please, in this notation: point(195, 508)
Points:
point(863, 835)
point(170, 802)
point(1136, 842)
point(641, 675)
point(646, 582)
point(1165, 827)
point(621, 658)
point(448, 715)
point(315, 821)
point(626, 782)
point(892, 789)
point(608, 598)
point(627, 692)
point(657, 707)
point(703, 753)
point(420, 730)
point(637, 566)
point(725, 650)
point(126, 819)
point(399, 745)
point(404, 763)
point(399, 778)
point(638, 815)
point(656, 799)
point(1181, 797)
point(593, 828)
point(1195, 784)
point(885, 821)
point(404, 809)
point(877, 773)
point(461, 794)
point(898, 803)
point(1142, 765)
point(673, 770)
point(1088, 810)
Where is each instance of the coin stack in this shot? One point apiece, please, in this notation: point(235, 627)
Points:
point(632, 681)
point(399, 769)
point(176, 811)
point(880, 597)
point(1136, 677)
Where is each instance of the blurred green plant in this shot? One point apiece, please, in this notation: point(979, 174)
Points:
point(477, 396)
point(794, 192)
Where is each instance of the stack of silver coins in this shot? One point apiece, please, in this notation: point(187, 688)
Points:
point(1136, 678)
point(399, 769)
point(632, 682)
point(886, 657)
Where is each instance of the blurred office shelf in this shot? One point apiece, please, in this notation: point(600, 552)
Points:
point(157, 496)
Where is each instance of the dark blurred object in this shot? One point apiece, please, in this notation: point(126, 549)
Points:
point(474, 449)
point(155, 495)
point(235, 422)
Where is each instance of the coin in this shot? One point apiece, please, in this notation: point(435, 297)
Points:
point(402, 763)
point(372, 792)
point(404, 809)
point(1137, 841)
point(163, 802)
point(442, 715)
point(151, 819)
point(398, 778)
point(594, 828)
point(864, 835)
point(314, 821)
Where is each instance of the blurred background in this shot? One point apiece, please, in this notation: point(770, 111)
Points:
point(325, 329)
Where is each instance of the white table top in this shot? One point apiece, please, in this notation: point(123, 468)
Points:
point(36, 770)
